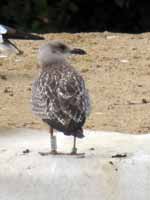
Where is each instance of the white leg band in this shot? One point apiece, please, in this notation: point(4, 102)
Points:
point(53, 143)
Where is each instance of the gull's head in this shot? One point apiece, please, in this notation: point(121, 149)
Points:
point(55, 52)
point(58, 48)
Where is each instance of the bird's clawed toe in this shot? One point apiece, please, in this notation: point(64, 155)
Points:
point(78, 155)
point(48, 153)
point(74, 151)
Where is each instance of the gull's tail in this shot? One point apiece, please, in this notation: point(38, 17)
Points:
point(78, 133)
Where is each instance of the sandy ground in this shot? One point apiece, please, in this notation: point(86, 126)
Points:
point(117, 74)
point(98, 175)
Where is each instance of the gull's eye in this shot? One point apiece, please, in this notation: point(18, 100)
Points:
point(62, 47)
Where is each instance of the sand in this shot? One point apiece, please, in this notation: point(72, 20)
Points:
point(116, 70)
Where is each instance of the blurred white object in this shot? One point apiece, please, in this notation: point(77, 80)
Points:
point(2, 29)
point(7, 47)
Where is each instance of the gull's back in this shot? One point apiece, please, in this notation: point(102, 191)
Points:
point(60, 98)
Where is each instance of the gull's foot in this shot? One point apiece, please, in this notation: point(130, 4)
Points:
point(48, 153)
point(78, 155)
point(74, 151)
point(19, 52)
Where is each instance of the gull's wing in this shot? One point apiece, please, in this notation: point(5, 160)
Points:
point(60, 95)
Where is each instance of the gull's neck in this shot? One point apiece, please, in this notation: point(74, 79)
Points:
point(49, 58)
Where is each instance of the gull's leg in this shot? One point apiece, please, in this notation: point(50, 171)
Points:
point(15, 47)
point(74, 149)
point(54, 147)
point(53, 141)
point(53, 144)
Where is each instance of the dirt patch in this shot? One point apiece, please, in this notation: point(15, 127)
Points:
point(117, 74)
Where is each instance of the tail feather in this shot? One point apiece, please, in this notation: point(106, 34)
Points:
point(78, 133)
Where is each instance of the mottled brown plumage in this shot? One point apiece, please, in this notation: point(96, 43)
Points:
point(59, 96)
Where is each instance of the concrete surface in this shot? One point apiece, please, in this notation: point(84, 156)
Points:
point(97, 176)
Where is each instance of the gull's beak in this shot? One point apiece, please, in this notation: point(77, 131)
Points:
point(78, 51)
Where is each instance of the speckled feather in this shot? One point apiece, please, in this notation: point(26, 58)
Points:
point(60, 98)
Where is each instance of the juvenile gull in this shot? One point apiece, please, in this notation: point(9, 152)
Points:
point(59, 96)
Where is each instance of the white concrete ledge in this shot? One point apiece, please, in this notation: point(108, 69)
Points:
point(98, 176)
